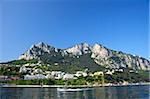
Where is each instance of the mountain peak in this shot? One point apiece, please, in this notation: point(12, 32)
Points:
point(41, 44)
point(79, 49)
point(84, 44)
point(36, 50)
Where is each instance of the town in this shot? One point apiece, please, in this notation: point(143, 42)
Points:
point(31, 72)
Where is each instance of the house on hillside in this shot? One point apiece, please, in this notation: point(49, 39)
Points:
point(81, 73)
point(68, 76)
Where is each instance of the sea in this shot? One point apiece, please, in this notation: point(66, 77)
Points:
point(117, 92)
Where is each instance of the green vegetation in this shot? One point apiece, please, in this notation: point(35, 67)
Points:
point(70, 64)
point(79, 81)
point(21, 62)
point(9, 71)
point(69, 69)
point(119, 77)
point(30, 82)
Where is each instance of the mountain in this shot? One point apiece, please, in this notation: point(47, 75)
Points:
point(85, 56)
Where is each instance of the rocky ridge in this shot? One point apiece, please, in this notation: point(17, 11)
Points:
point(100, 54)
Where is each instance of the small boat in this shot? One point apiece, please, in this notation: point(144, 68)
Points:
point(69, 89)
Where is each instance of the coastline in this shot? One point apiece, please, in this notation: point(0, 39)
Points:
point(71, 86)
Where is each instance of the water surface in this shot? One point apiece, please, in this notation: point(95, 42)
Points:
point(124, 92)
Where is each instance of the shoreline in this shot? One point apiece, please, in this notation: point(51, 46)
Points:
point(71, 86)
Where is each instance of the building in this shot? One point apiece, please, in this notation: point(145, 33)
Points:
point(68, 76)
point(110, 72)
point(37, 76)
point(99, 73)
point(24, 69)
point(57, 74)
point(81, 73)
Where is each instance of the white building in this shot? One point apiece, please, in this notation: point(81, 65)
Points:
point(40, 76)
point(110, 72)
point(68, 76)
point(37, 76)
point(23, 69)
point(57, 74)
point(81, 73)
point(49, 76)
point(38, 71)
point(26, 64)
point(29, 77)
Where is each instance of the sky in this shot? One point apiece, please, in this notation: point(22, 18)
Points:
point(120, 25)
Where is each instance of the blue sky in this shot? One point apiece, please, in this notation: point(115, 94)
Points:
point(117, 24)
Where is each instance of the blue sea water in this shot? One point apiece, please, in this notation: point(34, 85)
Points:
point(119, 92)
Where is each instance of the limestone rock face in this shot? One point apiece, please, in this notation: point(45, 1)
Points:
point(79, 49)
point(100, 54)
point(37, 50)
point(99, 51)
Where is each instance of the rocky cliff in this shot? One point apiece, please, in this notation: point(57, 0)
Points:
point(99, 54)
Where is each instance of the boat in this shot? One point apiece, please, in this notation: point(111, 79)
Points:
point(69, 89)
point(72, 89)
